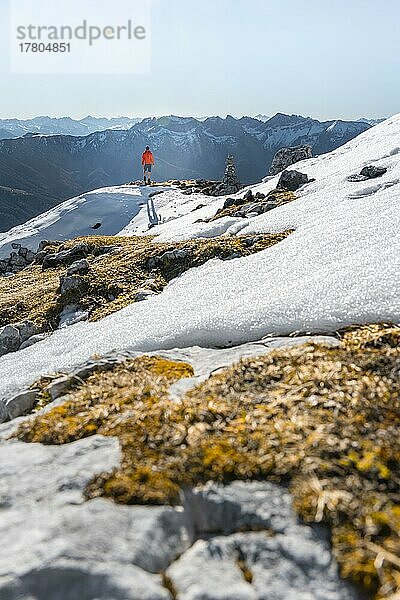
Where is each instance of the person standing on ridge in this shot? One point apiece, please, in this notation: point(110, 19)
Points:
point(147, 162)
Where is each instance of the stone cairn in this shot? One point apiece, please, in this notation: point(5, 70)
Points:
point(230, 183)
point(231, 180)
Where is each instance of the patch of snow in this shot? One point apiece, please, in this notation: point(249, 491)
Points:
point(178, 212)
point(113, 207)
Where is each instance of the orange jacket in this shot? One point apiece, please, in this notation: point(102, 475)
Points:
point(147, 158)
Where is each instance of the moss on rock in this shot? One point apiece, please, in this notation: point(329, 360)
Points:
point(322, 420)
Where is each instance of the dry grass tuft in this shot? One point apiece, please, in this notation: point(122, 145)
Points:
point(280, 196)
point(324, 420)
point(114, 279)
point(375, 335)
point(29, 295)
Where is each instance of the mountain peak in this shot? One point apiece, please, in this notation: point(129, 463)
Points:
point(283, 120)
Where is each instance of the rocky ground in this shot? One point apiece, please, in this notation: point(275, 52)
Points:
point(238, 540)
point(90, 278)
point(176, 467)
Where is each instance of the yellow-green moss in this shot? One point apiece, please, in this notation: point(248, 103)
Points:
point(324, 420)
point(105, 400)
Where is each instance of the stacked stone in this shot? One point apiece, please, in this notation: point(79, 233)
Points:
point(231, 180)
point(230, 183)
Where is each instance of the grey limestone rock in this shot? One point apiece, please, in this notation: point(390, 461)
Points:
point(285, 157)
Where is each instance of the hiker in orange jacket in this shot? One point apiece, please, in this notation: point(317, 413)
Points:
point(147, 162)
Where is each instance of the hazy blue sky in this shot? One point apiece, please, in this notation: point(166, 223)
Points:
point(323, 58)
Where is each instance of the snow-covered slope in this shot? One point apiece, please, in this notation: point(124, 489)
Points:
point(112, 208)
point(53, 168)
point(339, 267)
point(330, 197)
point(120, 210)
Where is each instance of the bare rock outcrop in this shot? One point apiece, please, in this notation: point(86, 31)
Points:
point(285, 157)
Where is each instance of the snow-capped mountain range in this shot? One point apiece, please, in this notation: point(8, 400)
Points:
point(37, 172)
point(14, 128)
point(44, 125)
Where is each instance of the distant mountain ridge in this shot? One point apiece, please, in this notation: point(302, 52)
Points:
point(53, 168)
point(14, 128)
point(263, 118)
point(371, 121)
